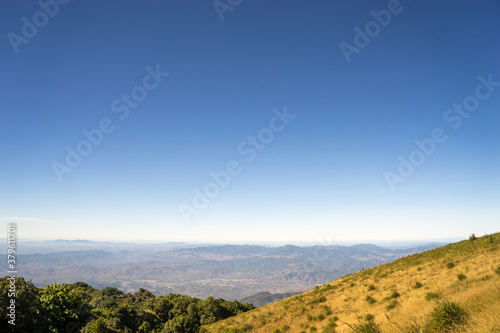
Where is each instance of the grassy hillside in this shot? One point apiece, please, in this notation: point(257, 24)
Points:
point(458, 284)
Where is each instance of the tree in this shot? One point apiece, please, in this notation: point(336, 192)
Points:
point(58, 304)
point(26, 315)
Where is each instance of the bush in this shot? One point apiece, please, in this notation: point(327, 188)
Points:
point(392, 305)
point(461, 277)
point(497, 269)
point(318, 300)
point(369, 317)
point(369, 326)
point(472, 237)
point(330, 327)
point(417, 285)
point(370, 300)
point(327, 310)
point(371, 287)
point(394, 295)
point(450, 265)
point(447, 317)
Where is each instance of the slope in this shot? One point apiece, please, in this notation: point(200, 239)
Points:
point(399, 296)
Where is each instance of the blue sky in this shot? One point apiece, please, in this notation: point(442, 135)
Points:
point(314, 139)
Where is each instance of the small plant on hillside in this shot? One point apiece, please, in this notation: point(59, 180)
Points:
point(497, 269)
point(450, 265)
point(313, 329)
point(327, 310)
point(318, 300)
point(461, 277)
point(371, 300)
point(472, 237)
point(330, 327)
point(371, 287)
point(394, 295)
point(417, 285)
point(447, 317)
point(432, 295)
point(392, 305)
point(368, 326)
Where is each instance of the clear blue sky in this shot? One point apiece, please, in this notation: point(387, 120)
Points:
point(329, 174)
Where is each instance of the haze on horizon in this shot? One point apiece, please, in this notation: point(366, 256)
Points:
point(278, 122)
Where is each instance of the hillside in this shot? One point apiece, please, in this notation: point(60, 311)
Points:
point(264, 298)
point(460, 279)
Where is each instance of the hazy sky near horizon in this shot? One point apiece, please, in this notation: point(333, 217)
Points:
point(246, 121)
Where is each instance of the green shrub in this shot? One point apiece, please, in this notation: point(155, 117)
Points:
point(327, 310)
point(394, 295)
point(450, 265)
point(447, 317)
point(392, 305)
point(330, 327)
point(461, 277)
point(313, 329)
point(371, 287)
point(497, 269)
point(417, 285)
point(318, 300)
point(285, 328)
point(320, 317)
point(472, 237)
point(370, 300)
point(369, 326)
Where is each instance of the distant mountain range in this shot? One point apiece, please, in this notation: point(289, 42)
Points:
point(226, 271)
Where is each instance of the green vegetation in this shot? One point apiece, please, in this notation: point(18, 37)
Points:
point(371, 287)
point(461, 277)
point(417, 285)
point(78, 306)
point(370, 299)
point(318, 300)
point(432, 295)
point(450, 265)
point(392, 304)
point(497, 269)
point(394, 295)
point(447, 317)
point(368, 326)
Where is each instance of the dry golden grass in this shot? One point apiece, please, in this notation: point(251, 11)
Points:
point(411, 277)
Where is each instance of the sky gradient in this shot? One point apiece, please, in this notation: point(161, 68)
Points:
point(308, 144)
